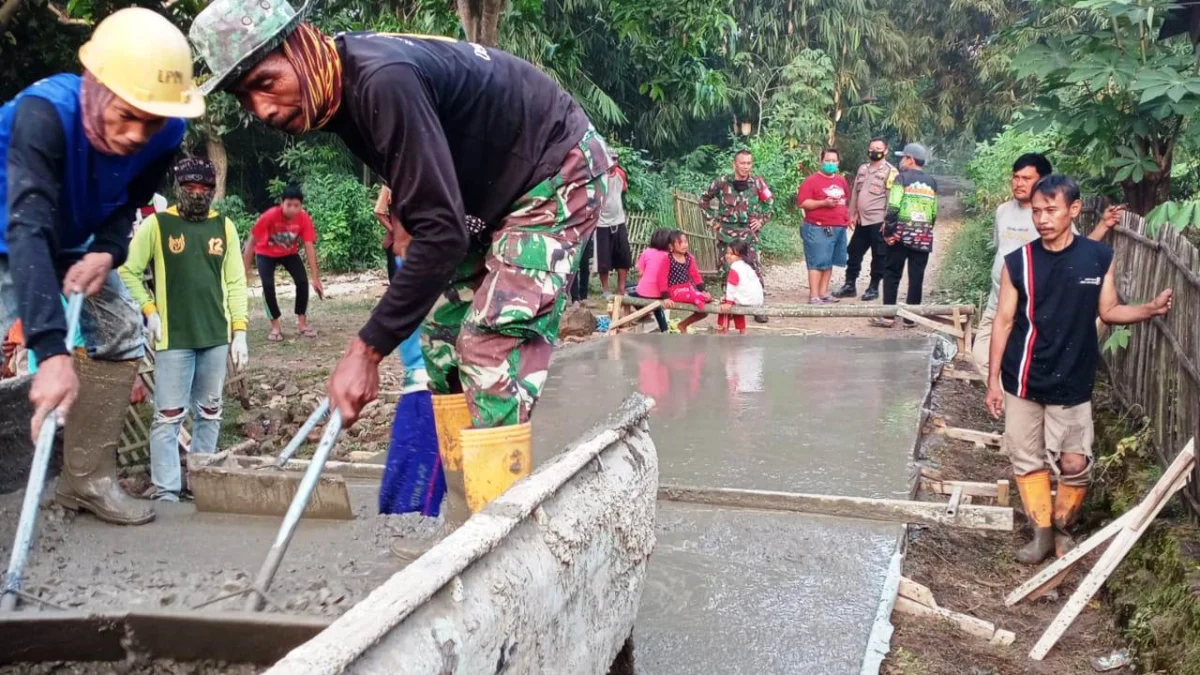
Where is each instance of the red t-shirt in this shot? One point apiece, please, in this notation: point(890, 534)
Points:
point(278, 237)
point(820, 186)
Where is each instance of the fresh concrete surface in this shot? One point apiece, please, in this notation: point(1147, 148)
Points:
point(746, 591)
point(822, 415)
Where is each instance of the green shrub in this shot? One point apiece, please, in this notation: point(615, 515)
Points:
point(348, 236)
point(234, 208)
point(967, 266)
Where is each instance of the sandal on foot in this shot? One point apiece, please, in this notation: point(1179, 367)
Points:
point(309, 332)
point(275, 336)
point(880, 322)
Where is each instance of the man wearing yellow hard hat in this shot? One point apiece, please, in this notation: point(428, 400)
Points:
point(78, 155)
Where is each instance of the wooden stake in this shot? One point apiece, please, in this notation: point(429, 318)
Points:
point(930, 323)
point(956, 319)
point(889, 510)
point(617, 302)
point(1002, 488)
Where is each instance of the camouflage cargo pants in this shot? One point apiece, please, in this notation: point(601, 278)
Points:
point(493, 329)
point(726, 236)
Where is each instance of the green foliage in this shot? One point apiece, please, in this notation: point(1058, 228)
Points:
point(799, 110)
point(1118, 96)
point(967, 266)
point(341, 207)
point(1117, 340)
point(234, 208)
point(1179, 215)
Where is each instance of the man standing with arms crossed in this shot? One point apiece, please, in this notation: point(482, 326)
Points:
point(453, 128)
point(1044, 353)
point(743, 206)
point(868, 207)
point(1014, 228)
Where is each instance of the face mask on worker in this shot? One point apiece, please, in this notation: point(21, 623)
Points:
point(193, 203)
point(875, 155)
point(829, 168)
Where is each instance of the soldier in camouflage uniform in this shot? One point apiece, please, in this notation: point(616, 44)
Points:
point(737, 206)
point(453, 128)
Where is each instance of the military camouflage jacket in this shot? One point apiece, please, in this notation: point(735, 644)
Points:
point(734, 209)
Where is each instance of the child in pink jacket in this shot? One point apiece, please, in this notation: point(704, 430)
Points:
point(649, 266)
point(680, 280)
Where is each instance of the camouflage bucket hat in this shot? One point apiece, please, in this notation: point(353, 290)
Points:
point(233, 36)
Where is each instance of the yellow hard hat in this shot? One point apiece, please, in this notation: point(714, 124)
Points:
point(143, 58)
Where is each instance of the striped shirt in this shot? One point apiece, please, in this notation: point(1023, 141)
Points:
point(1053, 350)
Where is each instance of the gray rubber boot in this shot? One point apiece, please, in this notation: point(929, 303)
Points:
point(90, 440)
point(1039, 548)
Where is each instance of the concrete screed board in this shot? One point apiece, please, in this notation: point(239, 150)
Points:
point(748, 591)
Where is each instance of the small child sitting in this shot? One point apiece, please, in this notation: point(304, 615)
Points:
point(742, 288)
point(649, 266)
point(681, 281)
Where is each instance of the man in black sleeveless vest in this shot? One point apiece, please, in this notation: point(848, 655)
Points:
point(1044, 353)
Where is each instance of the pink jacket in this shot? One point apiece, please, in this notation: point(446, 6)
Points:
point(651, 263)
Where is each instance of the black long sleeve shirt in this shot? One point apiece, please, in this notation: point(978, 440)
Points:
point(36, 203)
point(453, 128)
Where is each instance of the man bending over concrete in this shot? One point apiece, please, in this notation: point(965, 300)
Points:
point(453, 128)
point(1045, 350)
point(78, 155)
point(197, 316)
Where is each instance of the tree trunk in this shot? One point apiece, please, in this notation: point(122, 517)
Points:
point(831, 141)
point(215, 147)
point(1153, 190)
point(7, 11)
point(481, 20)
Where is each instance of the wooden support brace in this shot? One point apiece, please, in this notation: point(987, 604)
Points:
point(889, 510)
point(618, 303)
point(630, 318)
point(1002, 488)
point(971, 435)
point(985, 630)
point(1173, 480)
point(930, 323)
point(956, 319)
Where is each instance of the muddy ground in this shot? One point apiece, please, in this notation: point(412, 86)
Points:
point(139, 667)
point(971, 571)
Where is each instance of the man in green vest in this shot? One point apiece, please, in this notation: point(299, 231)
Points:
point(197, 316)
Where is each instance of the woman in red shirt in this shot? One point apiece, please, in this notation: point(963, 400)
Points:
point(823, 196)
point(274, 241)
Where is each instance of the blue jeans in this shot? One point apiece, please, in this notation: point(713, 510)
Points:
point(411, 356)
point(111, 323)
point(824, 247)
point(184, 379)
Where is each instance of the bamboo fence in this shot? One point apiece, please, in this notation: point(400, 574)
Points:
point(1158, 373)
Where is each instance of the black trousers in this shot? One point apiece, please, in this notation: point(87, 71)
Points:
point(897, 256)
point(660, 317)
point(583, 279)
point(866, 238)
point(295, 267)
point(391, 262)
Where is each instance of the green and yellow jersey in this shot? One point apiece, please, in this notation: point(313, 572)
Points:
point(199, 280)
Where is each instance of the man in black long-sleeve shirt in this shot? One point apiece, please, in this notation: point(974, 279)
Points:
point(77, 156)
point(453, 128)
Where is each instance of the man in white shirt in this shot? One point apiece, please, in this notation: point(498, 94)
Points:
point(612, 234)
point(1014, 229)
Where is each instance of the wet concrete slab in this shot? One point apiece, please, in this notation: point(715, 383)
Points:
point(820, 415)
point(185, 558)
point(744, 591)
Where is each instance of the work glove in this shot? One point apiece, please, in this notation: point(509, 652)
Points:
point(239, 351)
point(154, 325)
